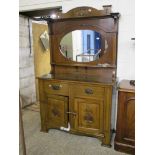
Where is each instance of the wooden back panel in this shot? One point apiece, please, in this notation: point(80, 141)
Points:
point(104, 22)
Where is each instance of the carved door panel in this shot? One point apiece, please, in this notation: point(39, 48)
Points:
point(129, 118)
point(89, 118)
point(126, 125)
point(56, 111)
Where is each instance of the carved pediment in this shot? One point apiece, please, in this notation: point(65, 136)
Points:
point(81, 12)
point(86, 12)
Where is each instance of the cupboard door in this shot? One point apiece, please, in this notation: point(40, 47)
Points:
point(89, 118)
point(129, 118)
point(125, 132)
point(56, 111)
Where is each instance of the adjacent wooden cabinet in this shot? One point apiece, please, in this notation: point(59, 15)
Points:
point(125, 132)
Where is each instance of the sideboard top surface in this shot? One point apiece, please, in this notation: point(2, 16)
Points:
point(78, 78)
point(126, 86)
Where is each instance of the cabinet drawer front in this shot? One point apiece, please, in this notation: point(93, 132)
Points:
point(88, 91)
point(58, 88)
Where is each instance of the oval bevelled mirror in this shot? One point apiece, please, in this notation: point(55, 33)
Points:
point(83, 45)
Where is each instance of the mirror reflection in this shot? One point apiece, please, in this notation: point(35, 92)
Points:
point(83, 45)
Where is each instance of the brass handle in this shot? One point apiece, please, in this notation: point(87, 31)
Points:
point(88, 91)
point(72, 113)
point(55, 87)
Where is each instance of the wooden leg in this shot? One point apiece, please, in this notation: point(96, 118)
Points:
point(106, 141)
point(106, 145)
point(44, 129)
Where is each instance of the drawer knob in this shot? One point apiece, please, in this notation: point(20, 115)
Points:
point(88, 91)
point(55, 87)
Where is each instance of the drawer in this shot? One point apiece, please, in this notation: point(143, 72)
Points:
point(88, 91)
point(58, 88)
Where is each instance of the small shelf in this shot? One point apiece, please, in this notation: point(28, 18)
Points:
point(85, 65)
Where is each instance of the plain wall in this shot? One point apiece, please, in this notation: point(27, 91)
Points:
point(26, 64)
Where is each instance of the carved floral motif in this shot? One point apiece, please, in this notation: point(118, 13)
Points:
point(88, 115)
point(55, 112)
point(89, 118)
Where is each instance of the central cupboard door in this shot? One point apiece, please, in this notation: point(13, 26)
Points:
point(89, 118)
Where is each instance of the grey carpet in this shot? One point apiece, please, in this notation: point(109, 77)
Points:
point(57, 142)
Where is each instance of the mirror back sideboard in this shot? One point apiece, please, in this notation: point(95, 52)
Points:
point(77, 96)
